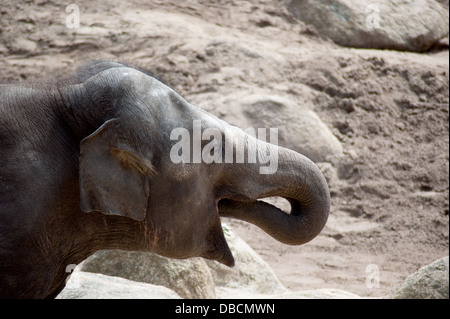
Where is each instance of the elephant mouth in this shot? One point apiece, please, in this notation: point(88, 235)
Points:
point(237, 208)
point(285, 219)
point(281, 204)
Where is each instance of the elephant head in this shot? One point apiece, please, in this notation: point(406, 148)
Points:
point(153, 160)
point(112, 158)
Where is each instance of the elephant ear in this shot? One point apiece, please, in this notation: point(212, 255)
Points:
point(114, 176)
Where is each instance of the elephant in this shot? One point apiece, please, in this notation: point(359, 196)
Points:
point(86, 165)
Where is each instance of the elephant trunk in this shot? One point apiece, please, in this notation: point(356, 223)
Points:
point(296, 179)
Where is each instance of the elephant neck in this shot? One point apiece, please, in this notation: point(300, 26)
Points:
point(83, 235)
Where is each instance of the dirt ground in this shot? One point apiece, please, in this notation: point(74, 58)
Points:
point(389, 109)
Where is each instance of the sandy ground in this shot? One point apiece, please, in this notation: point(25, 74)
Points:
point(389, 110)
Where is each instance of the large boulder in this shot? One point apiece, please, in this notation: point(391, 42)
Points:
point(84, 285)
point(429, 282)
point(299, 128)
point(398, 24)
point(189, 278)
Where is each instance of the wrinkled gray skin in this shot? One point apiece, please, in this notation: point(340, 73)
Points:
point(85, 166)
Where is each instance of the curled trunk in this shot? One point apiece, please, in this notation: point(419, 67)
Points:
point(298, 180)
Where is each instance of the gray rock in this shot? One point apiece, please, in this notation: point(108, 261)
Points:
point(429, 282)
point(84, 285)
point(299, 128)
point(189, 278)
point(398, 24)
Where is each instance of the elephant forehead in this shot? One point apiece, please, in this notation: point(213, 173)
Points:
point(129, 81)
point(140, 83)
